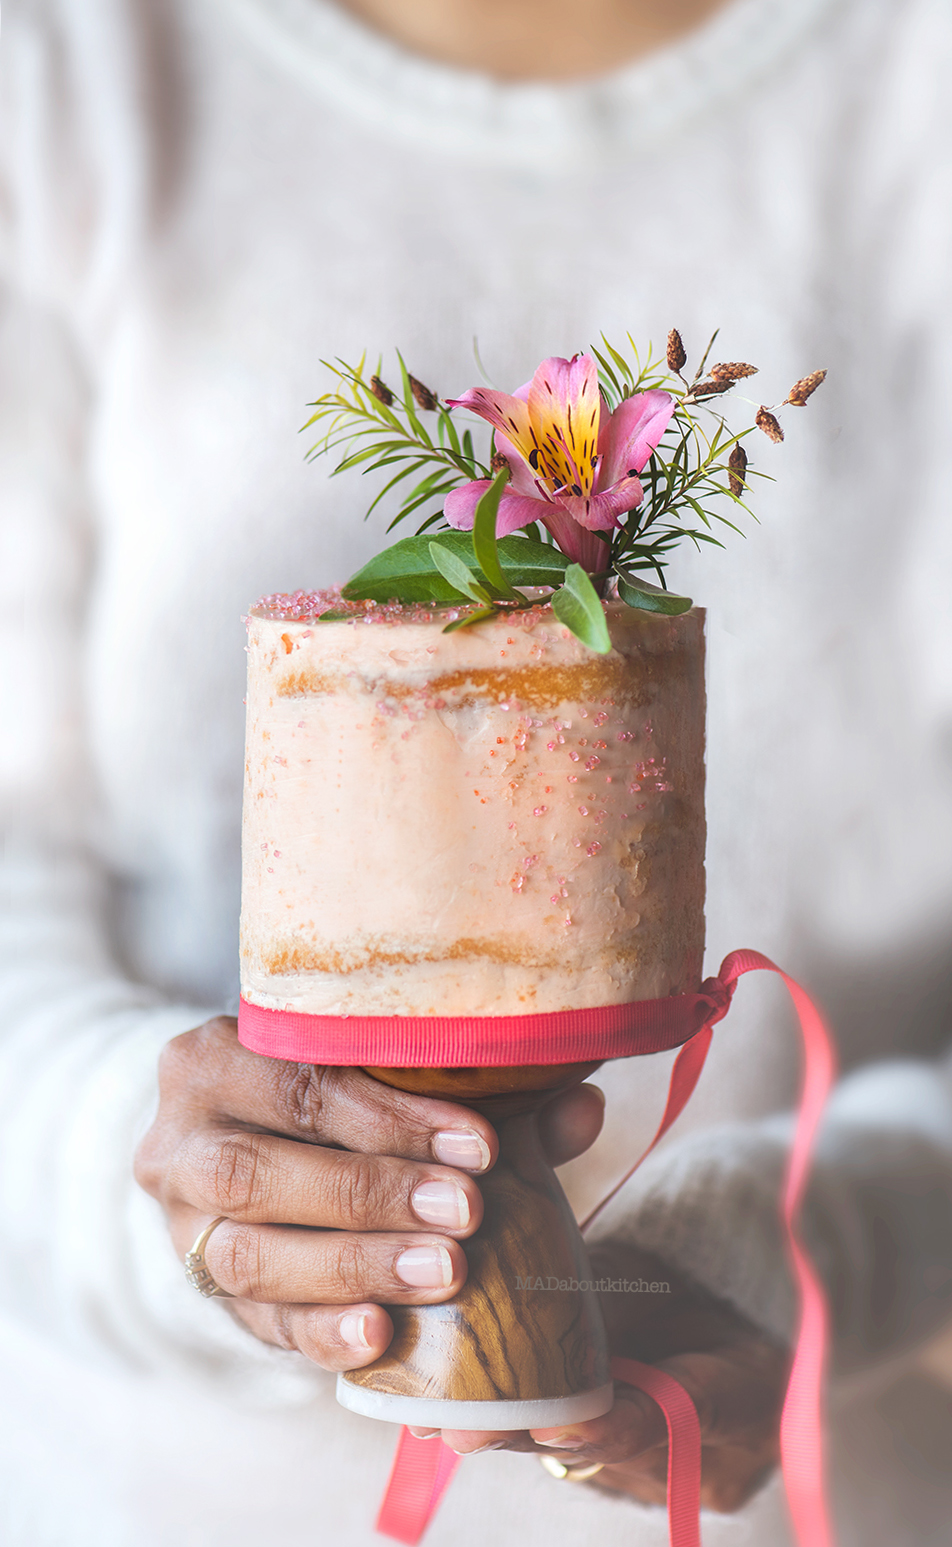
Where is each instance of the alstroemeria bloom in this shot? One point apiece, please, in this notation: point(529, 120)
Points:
point(573, 466)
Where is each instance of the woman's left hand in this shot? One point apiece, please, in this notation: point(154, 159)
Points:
point(735, 1376)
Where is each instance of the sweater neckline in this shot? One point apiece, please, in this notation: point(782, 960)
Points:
point(562, 125)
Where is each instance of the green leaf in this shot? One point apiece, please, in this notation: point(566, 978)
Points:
point(579, 607)
point(650, 598)
point(406, 571)
point(484, 539)
point(458, 574)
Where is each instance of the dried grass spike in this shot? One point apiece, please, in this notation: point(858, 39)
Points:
point(733, 370)
point(381, 391)
point(805, 388)
point(676, 354)
point(769, 423)
point(737, 468)
point(710, 387)
point(423, 397)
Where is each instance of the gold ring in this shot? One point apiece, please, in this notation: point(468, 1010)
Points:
point(196, 1271)
point(569, 1474)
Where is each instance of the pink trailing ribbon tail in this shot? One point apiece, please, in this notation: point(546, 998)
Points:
point(418, 1478)
point(684, 1446)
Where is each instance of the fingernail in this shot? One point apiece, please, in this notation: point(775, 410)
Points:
point(461, 1148)
point(425, 1434)
point(441, 1203)
point(425, 1267)
point(564, 1444)
point(353, 1330)
point(492, 1445)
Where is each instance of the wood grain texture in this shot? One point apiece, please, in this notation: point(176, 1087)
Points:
point(497, 1341)
point(470, 1084)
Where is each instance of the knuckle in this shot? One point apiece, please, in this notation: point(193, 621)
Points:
point(243, 1264)
point(356, 1189)
point(283, 1330)
point(146, 1166)
point(303, 1089)
point(350, 1268)
point(237, 1173)
point(183, 1058)
point(175, 1058)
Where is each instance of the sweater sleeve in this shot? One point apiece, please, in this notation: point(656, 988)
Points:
point(87, 1258)
point(877, 1216)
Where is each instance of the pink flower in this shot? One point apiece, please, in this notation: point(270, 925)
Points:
point(573, 466)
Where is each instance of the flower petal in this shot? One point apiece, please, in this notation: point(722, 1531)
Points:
point(564, 415)
point(459, 507)
point(630, 436)
point(582, 547)
point(522, 480)
point(503, 412)
point(600, 512)
point(515, 510)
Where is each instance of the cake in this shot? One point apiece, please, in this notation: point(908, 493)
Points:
point(492, 821)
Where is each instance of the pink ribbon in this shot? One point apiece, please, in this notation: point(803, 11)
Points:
point(482, 1041)
point(422, 1468)
point(418, 1478)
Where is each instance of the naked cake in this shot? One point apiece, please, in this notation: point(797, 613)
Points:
point(491, 821)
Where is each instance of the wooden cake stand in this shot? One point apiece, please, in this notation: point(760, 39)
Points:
point(523, 1344)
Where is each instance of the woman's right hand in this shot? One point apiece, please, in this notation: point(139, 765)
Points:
point(339, 1192)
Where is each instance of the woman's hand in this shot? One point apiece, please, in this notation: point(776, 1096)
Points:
point(381, 1181)
point(734, 1374)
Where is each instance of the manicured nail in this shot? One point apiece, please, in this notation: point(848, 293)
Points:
point(441, 1203)
point(568, 1443)
point(425, 1434)
point(353, 1330)
point(461, 1148)
point(425, 1267)
point(492, 1445)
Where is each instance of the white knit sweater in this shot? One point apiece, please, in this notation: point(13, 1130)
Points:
point(201, 200)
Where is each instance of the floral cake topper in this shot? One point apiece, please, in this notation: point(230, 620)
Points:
point(593, 470)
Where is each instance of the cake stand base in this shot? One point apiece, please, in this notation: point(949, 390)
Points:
point(434, 1413)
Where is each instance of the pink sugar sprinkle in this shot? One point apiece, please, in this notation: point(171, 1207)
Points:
point(593, 848)
point(309, 606)
point(539, 810)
